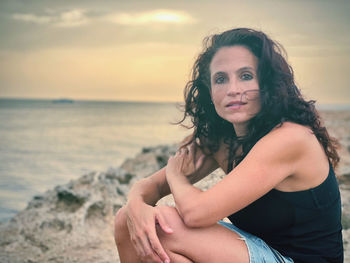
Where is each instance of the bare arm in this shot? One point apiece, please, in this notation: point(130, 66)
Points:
point(274, 158)
point(143, 216)
point(151, 189)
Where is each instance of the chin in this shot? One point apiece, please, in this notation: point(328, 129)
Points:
point(239, 122)
point(238, 119)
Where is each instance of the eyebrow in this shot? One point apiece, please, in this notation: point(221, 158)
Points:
point(245, 68)
point(238, 71)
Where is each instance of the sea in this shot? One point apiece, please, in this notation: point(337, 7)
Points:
point(44, 143)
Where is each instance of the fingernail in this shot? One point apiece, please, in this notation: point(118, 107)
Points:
point(167, 261)
point(169, 229)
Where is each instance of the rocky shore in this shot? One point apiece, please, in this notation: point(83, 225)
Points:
point(74, 222)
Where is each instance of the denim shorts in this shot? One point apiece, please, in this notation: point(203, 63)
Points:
point(259, 251)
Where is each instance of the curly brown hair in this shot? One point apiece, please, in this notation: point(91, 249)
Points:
point(281, 100)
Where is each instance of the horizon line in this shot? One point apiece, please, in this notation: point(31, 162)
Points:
point(90, 100)
point(344, 104)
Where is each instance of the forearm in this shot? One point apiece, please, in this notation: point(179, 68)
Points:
point(144, 191)
point(185, 194)
point(189, 199)
point(150, 190)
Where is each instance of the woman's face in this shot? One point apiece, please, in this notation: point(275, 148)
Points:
point(234, 85)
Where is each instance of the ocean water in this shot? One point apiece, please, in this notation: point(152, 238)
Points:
point(44, 144)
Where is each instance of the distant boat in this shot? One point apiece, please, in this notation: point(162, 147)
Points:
point(63, 101)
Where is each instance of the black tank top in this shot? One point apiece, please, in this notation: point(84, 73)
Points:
point(303, 225)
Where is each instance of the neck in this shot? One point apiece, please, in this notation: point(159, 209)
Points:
point(240, 129)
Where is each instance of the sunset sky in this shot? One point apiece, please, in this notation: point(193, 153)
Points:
point(144, 50)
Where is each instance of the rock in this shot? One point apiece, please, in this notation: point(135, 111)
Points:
point(68, 200)
point(74, 222)
point(148, 161)
point(71, 223)
point(344, 180)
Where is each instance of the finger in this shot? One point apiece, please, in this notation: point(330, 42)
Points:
point(191, 150)
point(183, 150)
point(192, 147)
point(163, 224)
point(135, 241)
point(198, 141)
point(171, 158)
point(144, 249)
point(139, 247)
point(160, 219)
point(199, 162)
point(148, 252)
point(157, 248)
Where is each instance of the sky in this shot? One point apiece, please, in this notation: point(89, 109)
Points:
point(143, 50)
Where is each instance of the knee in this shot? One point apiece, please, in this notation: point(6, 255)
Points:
point(120, 225)
point(174, 221)
point(171, 215)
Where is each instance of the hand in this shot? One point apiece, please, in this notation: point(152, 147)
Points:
point(141, 221)
point(183, 163)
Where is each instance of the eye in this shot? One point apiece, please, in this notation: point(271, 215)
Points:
point(219, 79)
point(247, 76)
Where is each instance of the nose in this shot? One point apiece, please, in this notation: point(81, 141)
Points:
point(233, 89)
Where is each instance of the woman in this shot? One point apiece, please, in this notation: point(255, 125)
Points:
point(280, 192)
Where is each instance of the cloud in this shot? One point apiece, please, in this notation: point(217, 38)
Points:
point(71, 18)
point(32, 18)
point(78, 17)
point(151, 17)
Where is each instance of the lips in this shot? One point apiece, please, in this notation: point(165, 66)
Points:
point(235, 103)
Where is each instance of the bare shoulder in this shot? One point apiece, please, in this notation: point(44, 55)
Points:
point(293, 131)
point(288, 139)
point(298, 145)
point(290, 145)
